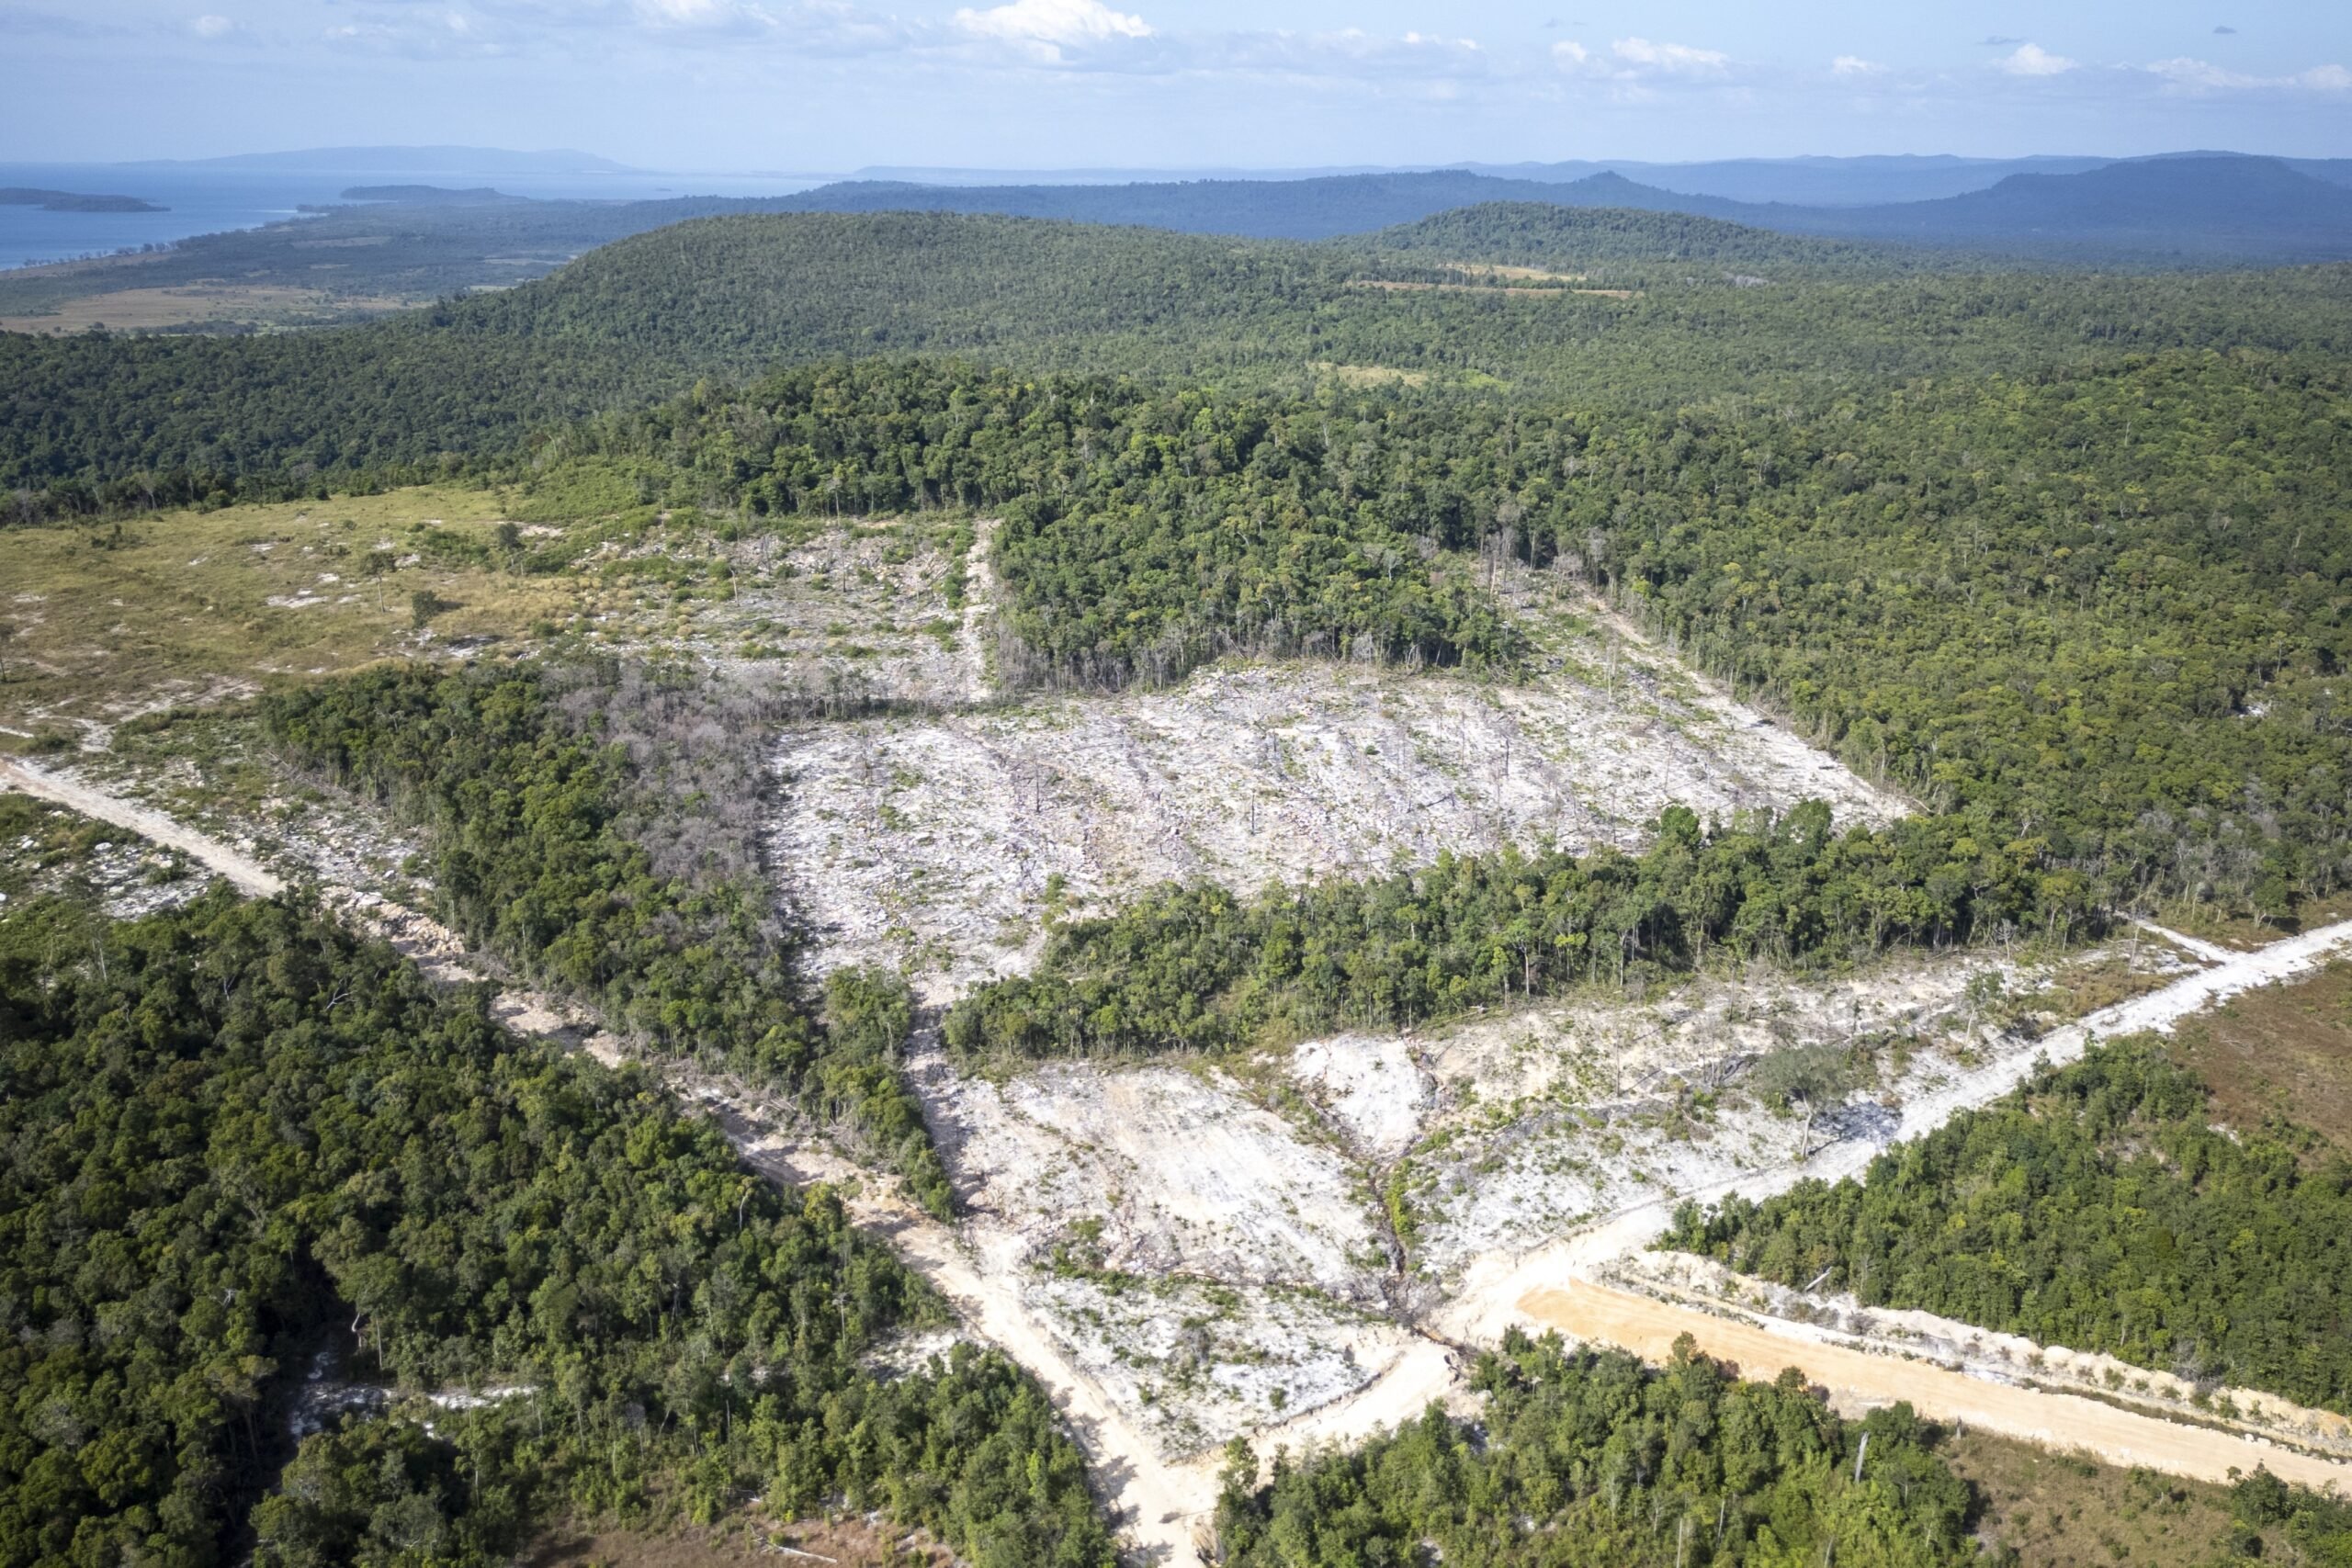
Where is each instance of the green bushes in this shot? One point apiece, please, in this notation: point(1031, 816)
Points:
point(2095, 1208)
point(598, 833)
point(233, 1136)
point(1197, 968)
point(1586, 1458)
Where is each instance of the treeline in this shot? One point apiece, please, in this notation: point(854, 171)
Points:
point(1588, 1459)
point(95, 422)
point(235, 1138)
point(1197, 968)
point(596, 829)
point(2098, 1209)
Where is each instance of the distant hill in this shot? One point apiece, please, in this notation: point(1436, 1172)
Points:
point(2222, 207)
point(2334, 171)
point(2188, 210)
point(71, 201)
point(1817, 182)
point(1314, 208)
point(1807, 182)
point(411, 161)
point(430, 196)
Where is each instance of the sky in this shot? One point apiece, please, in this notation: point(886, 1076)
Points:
point(829, 86)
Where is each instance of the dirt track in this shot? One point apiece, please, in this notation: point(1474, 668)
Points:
point(1858, 1380)
point(241, 871)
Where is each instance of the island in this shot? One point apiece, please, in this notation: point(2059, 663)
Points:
point(70, 201)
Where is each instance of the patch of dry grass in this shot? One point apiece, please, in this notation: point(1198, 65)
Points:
point(209, 304)
point(106, 620)
point(849, 1541)
point(2280, 1053)
point(2068, 1511)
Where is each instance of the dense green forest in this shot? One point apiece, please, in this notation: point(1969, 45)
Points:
point(2317, 1526)
point(1544, 234)
point(596, 829)
point(234, 1137)
point(1587, 1458)
point(2098, 1209)
point(95, 421)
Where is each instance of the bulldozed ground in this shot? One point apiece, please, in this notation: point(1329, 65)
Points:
point(939, 843)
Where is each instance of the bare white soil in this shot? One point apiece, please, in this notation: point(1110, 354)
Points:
point(1193, 1363)
point(938, 844)
point(1156, 1171)
point(1558, 1114)
point(858, 612)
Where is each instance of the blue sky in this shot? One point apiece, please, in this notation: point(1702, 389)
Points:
point(832, 85)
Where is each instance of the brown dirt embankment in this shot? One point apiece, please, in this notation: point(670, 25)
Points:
point(1858, 1380)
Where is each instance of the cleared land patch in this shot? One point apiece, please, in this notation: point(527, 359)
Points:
point(220, 303)
point(938, 845)
point(106, 621)
point(1402, 287)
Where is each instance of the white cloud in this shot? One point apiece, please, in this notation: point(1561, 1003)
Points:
point(210, 25)
point(1854, 65)
point(1636, 60)
point(1052, 22)
point(2202, 76)
point(1670, 59)
point(2032, 60)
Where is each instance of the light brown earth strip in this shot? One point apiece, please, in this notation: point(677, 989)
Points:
point(1859, 1382)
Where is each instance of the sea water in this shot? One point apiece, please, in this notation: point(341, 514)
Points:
point(200, 200)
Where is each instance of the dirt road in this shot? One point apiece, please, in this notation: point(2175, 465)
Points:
point(241, 871)
point(1493, 1288)
point(1162, 1505)
point(1858, 1380)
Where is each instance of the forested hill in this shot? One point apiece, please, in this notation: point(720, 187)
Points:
point(92, 421)
point(1316, 208)
point(2189, 209)
point(1542, 234)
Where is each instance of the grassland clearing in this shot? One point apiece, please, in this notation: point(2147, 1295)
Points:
point(109, 618)
point(2281, 1054)
point(215, 303)
point(2069, 1510)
